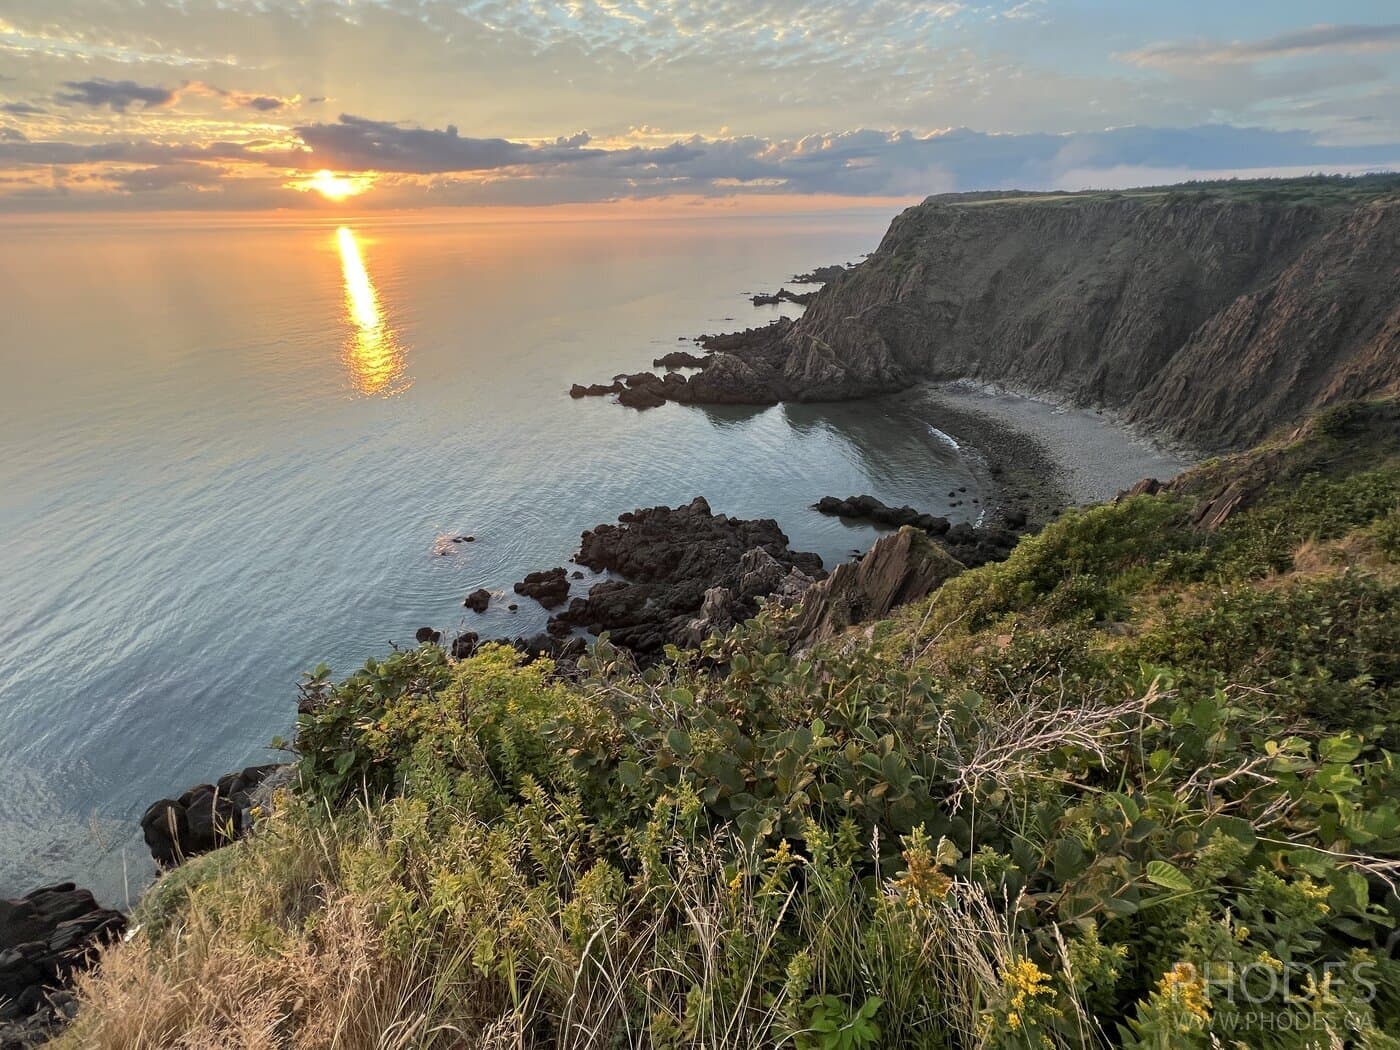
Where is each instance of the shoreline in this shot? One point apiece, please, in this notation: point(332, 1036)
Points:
point(1045, 455)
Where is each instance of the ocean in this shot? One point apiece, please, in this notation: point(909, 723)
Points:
point(235, 449)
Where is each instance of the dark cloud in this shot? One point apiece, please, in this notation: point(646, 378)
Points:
point(12, 135)
point(118, 95)
point(265, 103)
point(164, 177)
point(20, 109)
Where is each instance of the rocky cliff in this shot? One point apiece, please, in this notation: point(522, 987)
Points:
point(1206, 316)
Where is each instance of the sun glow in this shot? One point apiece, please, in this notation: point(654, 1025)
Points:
point(334, 187)
point(373, 356)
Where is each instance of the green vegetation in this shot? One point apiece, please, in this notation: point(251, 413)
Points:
point(1312, 190)
point(1130, 787)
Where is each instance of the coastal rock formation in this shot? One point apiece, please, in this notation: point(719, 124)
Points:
point(822, 275)
point(578, 390)
point(678, 359)
point(44, 937)
point(205, 817)
point(549, 587)
point(782, 295)
point(899, 568)
point(669, 562)
point(1208, 314)
point(972, 545)
point(478, 601)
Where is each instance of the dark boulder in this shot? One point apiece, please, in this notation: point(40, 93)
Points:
point(479, 600)
point(641, 397)
point(204, 818)
point(549, 587)
point(465, 645)
point(679, 359)
point(594, 389)
point(45, 936)
point(427, 636)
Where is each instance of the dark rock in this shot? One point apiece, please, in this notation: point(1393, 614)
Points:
point(479, 600)
point(782, 295)
point(45, 936)
point(822, 275)
point(898, 569)
point(465, 644)
point(678, 359)
point(595, 389)
point(640, 397)
point(549, 587)
point(205, 817)
point(971, 545)
point(512, 607)
point(665, 561)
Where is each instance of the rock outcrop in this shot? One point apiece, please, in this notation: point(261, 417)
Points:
point(679, 573)
point(478, 601)
point(44, 937)
point(972, 545)
point(549, 587)
point(900, 568)
point(205, 817)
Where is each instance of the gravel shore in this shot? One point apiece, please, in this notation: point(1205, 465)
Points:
point(1045, 456)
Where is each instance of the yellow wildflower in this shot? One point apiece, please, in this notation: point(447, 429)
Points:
point(1184, 986)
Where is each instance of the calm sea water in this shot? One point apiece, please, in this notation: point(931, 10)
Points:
point(231, 452)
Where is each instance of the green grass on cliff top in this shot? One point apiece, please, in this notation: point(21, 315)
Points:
point(1313, 190)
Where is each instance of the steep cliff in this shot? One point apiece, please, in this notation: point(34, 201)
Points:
point(1207, 316)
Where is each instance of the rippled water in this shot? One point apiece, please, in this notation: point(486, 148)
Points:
point(231, 452)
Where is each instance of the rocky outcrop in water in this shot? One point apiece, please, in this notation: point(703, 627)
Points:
point(782, 295)
point(205, 817)
point(678, 359)
point(44, 937)
point(670, 565)
point(549, 587)
point(972, 545)
point(478, 601)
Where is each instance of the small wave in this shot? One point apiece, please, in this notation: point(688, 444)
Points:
point(946, 438)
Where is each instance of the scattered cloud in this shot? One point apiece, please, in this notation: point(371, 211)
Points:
point(20, 109)
point(117, 95)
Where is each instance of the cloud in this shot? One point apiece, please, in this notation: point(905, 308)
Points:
point(12, 135)
point(165, 177)
point(265, 103)
point(118, 95)
point(1313, 40)
point(20, 109)
point(418, 167)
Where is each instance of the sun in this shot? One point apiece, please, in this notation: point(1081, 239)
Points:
point(332, 186)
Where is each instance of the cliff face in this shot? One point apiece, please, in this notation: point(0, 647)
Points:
point(1206, 319)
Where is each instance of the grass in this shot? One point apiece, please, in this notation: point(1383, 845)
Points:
point(1131, 787)
point(1310, 190)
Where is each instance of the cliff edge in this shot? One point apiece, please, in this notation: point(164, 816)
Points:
point(1206, 314)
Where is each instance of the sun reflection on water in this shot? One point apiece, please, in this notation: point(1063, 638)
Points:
point(374, 357)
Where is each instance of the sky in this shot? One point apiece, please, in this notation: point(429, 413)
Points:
point(150, 105)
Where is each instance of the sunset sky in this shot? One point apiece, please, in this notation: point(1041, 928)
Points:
point(239, 104)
